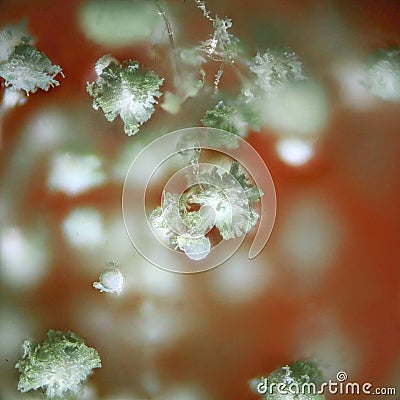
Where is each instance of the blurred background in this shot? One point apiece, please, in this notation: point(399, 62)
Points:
point(326, 286)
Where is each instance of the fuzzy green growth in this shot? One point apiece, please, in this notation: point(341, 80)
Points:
point(221, 117)
point(253, 193)
point(236, 119)
point(222, 45)
point(127, 90)
point(276, 68)
point(29, 69)
point(10, 36)
point(59, 365)
point(227, 196)
point(299, 381)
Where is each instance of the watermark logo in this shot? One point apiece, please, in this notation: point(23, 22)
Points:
point(340, 386)
point(168, 169)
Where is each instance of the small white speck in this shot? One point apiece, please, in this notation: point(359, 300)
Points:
point(111, 280)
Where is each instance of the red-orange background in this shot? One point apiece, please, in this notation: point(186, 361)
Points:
point(356, 167)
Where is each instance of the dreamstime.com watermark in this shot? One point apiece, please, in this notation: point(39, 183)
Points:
point(339, 386)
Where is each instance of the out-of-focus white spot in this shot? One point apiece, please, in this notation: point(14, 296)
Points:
point(310, 234)
point(83, 227)
point(150, 383)
point(118, 244)
point(240, 280)
point(15, 328)
point(12, 98)
point(159, 35)
point(333, 350)
point(49, 129)
point(155, 326)
point(75, 174)
point(118, 22)
point(24, 258)
point(299, 110)
point(94, 319)
point(294, 151)
point(144, 278)
point(350, 76)
point(125, 158)
point(183, 392)
point(10, 393)
point(123, 396)
point(111, 280)
point(89, 392)
point(121, 164)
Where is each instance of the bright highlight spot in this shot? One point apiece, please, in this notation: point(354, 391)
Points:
point(294, 152)
point(24, 258)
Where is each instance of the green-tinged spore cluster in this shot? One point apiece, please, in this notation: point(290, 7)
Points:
point(58, 366)
point(127, 90)
point(299, 381)
point(222, 45)
point(237, 119)
point(230, 199)
point(22, 66)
